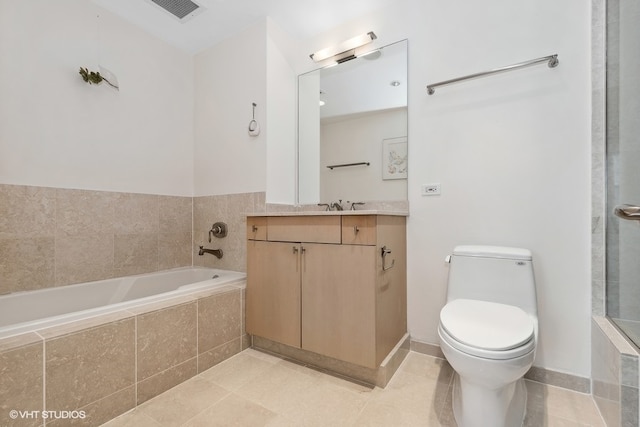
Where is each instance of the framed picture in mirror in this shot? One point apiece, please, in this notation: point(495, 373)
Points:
point(394, 158)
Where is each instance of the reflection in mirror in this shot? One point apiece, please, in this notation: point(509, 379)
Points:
point(353, 117)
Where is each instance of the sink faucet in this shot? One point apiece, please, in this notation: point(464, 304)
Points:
point(353, 205)
point(215, 252)
point(337, 205)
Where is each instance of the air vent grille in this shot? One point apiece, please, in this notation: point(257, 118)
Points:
point(178, 8)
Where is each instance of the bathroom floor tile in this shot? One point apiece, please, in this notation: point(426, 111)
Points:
point(257, 389)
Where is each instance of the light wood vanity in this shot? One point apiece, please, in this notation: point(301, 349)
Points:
point(319, 282)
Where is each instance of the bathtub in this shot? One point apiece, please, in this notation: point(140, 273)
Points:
point(31, 310)
point(99, 349)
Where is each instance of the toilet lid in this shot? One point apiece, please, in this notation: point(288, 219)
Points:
point(486, 325)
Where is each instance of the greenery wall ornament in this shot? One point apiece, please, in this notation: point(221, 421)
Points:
point(92, 77)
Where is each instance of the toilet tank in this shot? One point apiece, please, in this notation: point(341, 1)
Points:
point(493, 273)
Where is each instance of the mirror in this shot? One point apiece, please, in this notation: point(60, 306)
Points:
point(352, 129)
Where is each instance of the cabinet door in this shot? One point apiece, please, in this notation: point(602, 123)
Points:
point(273, 291)
point(338, 302)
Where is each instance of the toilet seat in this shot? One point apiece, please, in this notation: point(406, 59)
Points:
point(487, 329)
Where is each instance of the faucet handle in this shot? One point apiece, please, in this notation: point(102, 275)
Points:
point(353, 205)
point(328, 207)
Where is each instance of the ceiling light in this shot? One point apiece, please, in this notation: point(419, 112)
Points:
point(345, 50)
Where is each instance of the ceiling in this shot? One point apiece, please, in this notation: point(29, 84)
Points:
point(224, 18)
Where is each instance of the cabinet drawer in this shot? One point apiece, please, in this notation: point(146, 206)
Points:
point(315, 229)
point(257, 228)
point(359, 230)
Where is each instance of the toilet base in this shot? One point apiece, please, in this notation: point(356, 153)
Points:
point(476, 406)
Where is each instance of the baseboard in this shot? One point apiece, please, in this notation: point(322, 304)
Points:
point(538, 374)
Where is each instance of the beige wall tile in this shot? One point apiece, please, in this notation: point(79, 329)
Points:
point(219, 320)
point(175, 214)
point(174, 250)
point(21, 383)
point(135, 254)
point(84, 258)
point(232, 210)
point(146, 232)
point(80, 325)
point(84, 212)
point(166, 338)
point(26, 264)
point(87, 366)
point(210, 358)
point(27, 211)
point(16, 341)
point(136, 213)
point(163, 381)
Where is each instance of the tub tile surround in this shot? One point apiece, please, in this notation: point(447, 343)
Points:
point(230, 209)
point(55, 237)
point(109, 364)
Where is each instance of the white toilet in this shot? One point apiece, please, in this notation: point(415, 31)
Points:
point(488, 332)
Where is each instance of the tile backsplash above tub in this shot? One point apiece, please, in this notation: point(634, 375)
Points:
point(54, 237)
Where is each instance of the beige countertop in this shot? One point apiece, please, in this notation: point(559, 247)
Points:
point(331, 213)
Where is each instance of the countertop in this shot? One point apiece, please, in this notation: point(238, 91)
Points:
point(331, 213)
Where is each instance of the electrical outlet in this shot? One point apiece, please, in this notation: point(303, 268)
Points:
point(430, 189)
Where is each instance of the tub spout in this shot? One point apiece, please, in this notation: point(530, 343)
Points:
point(215, 252)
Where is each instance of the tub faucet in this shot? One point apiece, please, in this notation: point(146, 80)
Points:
point(215, 252)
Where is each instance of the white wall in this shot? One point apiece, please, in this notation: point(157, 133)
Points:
point(57, 131)
point(281, 106)
point(229, 77)
point(510, 151)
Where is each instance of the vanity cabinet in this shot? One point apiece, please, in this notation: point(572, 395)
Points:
point(320, 283)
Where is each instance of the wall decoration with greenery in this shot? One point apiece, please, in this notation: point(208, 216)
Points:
point(92, 77)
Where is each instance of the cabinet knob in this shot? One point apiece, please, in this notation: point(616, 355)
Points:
point(254, 228)
point(295, 249)
point(356, 230)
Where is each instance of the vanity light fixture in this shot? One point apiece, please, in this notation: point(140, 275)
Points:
point(345, 50)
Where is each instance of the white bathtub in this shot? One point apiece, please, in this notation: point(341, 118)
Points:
point(29, 311)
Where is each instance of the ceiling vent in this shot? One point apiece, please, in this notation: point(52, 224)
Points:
point(181, 9)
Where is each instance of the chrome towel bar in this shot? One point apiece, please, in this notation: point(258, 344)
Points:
point(551, 60)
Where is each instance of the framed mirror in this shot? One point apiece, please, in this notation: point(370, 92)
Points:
point(352, 129)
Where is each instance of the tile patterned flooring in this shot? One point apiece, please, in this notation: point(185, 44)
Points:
point(257, 389)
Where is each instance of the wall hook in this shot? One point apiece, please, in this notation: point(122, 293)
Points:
point(254, 127)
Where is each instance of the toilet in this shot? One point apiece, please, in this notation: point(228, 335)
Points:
point(488, 333)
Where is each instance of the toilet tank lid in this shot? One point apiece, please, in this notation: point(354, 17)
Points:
point(493, 252)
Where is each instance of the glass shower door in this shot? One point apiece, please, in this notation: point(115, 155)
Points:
point(623, 166)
